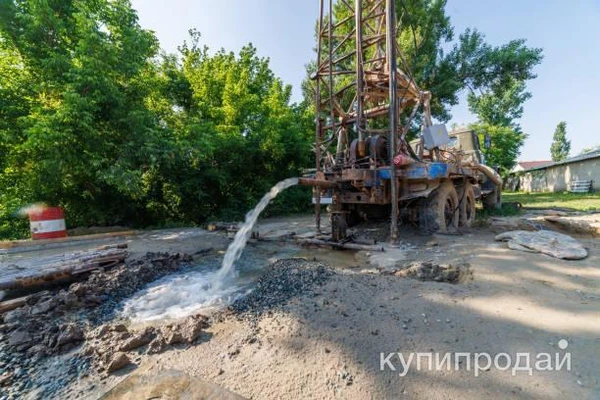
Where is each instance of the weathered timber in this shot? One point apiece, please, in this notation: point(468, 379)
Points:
point(9, 305)
point(337, 245)
point(60, 267)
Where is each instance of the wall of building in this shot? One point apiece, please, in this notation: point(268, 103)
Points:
point(557, 178)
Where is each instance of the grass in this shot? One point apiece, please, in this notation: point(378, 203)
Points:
point(559, 201)
point(563, 200)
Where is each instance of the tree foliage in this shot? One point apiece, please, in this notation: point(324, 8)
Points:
point(506, 143)
point(94, 120)
point(561, 146)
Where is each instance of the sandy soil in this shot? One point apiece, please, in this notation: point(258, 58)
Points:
point(327, 342)
point(516, 302)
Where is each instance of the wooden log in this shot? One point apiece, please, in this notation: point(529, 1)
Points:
point(74, 264)
point(347, 246)
point(12, 304)
point(222, 226)
point(113, 246)
point(53, 243)
point(9, 305)
point(367, 242)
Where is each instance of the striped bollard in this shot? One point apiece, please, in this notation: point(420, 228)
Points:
point(47, 223)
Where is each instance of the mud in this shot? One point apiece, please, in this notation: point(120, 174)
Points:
point(167, 384)
point(430, 271)
point(54, 323)
point(82, 323)
point(111, 347)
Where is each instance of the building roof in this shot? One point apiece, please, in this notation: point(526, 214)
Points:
point(534, 164)
point(580, 157)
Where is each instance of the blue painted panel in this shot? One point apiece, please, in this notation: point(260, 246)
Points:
point(416, 172)
point(438, 170)
point(384, 173)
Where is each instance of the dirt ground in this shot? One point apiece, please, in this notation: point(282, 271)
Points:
point(328, 340)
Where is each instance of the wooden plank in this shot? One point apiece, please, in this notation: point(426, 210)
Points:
point(67, 266)
point(348, 246)
point(28, 243)
point(9, 305)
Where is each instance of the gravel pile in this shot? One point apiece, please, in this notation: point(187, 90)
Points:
point(54, 323)
point(281, 281)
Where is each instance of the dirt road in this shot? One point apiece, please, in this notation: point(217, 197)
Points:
point(332, 340)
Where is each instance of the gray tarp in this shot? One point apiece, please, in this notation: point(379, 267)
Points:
point(546, 242)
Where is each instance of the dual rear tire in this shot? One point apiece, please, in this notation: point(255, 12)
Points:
point(466, 197)
point(448, 208)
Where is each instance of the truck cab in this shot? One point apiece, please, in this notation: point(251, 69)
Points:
point(466, 141)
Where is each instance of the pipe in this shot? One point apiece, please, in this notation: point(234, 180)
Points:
point(489, 172)
point(316, 182)
point(337, 245)
point(393, 86)
point(318, 127)
point(359, 72)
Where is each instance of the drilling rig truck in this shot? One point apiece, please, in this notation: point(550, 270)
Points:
point(366, 107)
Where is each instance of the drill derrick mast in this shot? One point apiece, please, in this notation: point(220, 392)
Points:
point(365, 101)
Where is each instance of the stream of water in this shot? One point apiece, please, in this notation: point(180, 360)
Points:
point(180, 295)
point(234, 251)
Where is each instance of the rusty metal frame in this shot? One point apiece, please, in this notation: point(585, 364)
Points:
point(357, 82)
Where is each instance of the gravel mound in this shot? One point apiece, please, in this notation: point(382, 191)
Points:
point(281, 281)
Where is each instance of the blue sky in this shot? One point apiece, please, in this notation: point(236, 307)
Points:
point(567, 87)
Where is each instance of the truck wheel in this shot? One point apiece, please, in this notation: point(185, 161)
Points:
point(466, 197)
point(493, 201)
point(441, 211)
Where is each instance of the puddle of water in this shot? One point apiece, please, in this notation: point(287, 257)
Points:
point(193, 290)
point(180, 295)
point(335, 258)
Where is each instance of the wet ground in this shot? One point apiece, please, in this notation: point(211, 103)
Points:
point(324, 338)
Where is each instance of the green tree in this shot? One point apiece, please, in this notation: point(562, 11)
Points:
point(506, 143)
point(94, 119)
point(495, 77)
point(560, 145)
point(79, 132)
point(502, 106)
point(496, 80)
point(239, 114)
